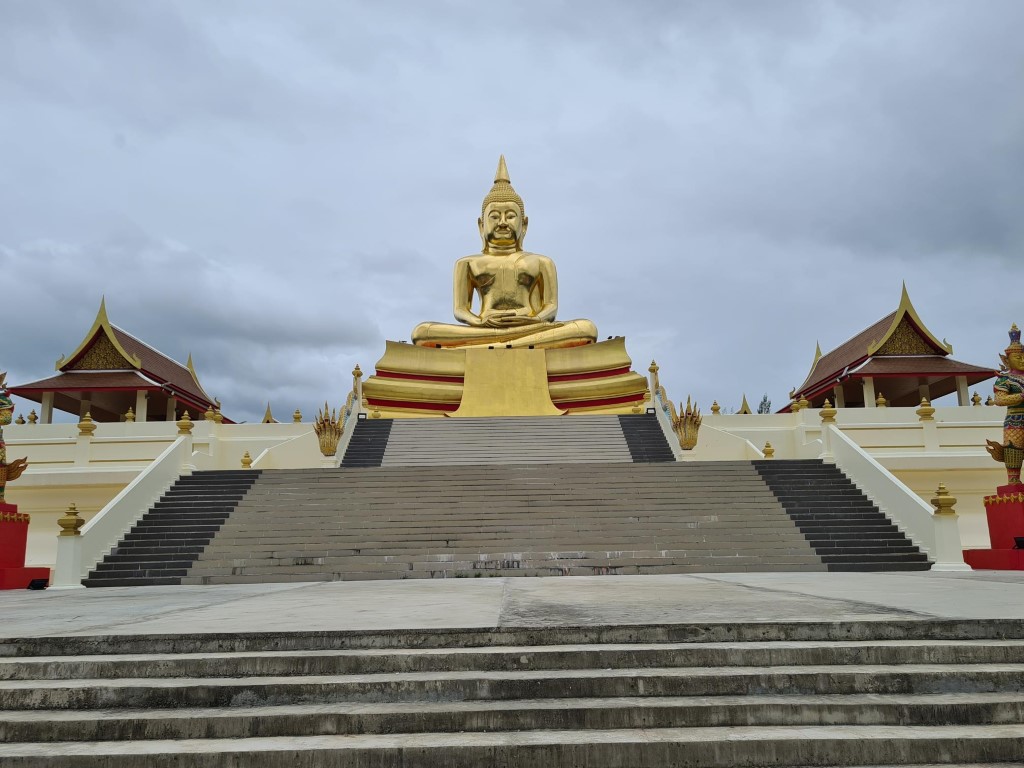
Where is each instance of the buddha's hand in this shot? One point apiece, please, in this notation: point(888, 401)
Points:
point(508, 318)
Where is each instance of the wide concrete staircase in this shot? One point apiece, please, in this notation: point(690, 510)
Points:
point(875, 693)
point(504, 520)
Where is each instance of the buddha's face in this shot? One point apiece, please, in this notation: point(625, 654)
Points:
point(502, 224)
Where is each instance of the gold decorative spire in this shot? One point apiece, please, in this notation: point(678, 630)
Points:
point(502, 191)
point(716, 408)
point(828, 413)
point(744, 407)
point(268, 417)
point(925, 411)
point(86, 426)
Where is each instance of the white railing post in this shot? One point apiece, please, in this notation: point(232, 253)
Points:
point(67, 572)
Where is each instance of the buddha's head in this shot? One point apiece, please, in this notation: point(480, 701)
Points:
point(1013, 358)
point(503, 220)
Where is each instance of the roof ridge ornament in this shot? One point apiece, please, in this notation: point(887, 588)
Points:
point(906, 310)
point(100, 324)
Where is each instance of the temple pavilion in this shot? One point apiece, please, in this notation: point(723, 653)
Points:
point(896, 361)
point(112, 372)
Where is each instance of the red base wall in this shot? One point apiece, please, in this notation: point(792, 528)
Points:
point(1005, 513)
point(13, 540)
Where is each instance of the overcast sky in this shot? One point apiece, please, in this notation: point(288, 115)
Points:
point(278, 187)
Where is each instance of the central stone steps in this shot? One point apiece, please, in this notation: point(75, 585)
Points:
point(486, 520)
point(878, 693)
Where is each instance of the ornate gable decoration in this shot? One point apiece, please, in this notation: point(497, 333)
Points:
point(907, 335)
point(100, 350)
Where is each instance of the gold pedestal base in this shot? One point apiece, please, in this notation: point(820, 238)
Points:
point(420, 382)
point(506, 382)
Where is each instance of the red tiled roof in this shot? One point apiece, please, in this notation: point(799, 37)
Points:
point(848, 353)
point(86, 381)
point(924, 365)
point(162, 368)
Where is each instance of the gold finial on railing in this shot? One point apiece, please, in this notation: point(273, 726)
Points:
point(129, 417)
point(653, 370)
point(943, 501)
point(32, 417)
point(246, 461)
point(375, 414)
point(297, 416)
point(989, 400)
point(925, 412)
point(209, 415)
point(357, 372)
point(70, 522)
point(328, 430)
point(185, 425)
point(880, 401)
point(794, 407)
point(86, 426)
point(828, 413)
point(218, 417)
point(20, 419)
point(716, 408)
point(804, 403)
point(976, 399)
point(768, 451)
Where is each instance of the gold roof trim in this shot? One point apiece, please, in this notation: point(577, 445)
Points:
point(906, 310)
point(100, 324)
point(195, 378)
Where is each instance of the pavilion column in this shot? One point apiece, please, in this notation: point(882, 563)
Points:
point(46, 409)
point(141, 405)
point(963, 397)
point(86, 405)
point(869, 391)
point(924, 391)
point(172, 409)
point(838, 398)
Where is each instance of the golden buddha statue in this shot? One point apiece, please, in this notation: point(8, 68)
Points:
point(517, 291)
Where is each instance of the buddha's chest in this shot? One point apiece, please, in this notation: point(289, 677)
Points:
point(504, 276)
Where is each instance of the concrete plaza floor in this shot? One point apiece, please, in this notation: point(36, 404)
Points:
point(513, 602)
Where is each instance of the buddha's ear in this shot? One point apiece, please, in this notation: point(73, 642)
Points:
point(526, 223)
point(480, 226)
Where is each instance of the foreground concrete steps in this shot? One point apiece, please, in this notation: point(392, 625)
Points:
point(487, 520)
point(698, 747)
point(867, 693)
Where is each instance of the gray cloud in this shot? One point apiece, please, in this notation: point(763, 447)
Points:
point(278, 189)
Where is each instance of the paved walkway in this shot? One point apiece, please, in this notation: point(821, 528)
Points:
point(493, 602)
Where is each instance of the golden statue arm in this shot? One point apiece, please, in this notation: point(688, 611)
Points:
point(462, 295)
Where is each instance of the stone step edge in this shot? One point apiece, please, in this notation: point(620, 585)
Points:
point(485, 636)
point(701, 746)
point(623, 673)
